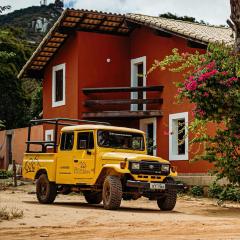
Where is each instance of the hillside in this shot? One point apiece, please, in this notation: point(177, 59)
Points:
point(35, 21)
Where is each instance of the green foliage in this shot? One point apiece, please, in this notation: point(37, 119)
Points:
point(197, 191)
point(223, 193)
point(23, 18)
point(36, 103)
point(17, 106)
point(184, 18)
point(2, 125)
point(13, 108)
point(212, 84)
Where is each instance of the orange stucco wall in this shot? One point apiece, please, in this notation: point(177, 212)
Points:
point(19, 138)
point(86, 54)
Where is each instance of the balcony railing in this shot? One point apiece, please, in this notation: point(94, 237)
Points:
point(104, 104)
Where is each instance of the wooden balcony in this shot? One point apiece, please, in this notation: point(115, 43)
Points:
point(122, 89)
point(99, 108)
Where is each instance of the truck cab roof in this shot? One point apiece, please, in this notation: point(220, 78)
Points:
point(99, 127)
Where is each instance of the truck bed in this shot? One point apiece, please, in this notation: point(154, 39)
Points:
point(35, 162)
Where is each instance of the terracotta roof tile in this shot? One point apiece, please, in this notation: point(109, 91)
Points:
point(205, 33)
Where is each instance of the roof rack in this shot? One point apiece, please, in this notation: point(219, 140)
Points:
point(62, 121)
point(57, 122)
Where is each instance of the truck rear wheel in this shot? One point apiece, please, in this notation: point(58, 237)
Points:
point(46, 191)
point(168, 202)
point(112, 193)
point(93, 197)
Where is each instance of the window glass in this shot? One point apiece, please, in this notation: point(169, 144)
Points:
point(59, 85)
point(67, 141)
point(85, 140)
point(181, 136)
point(122, 140)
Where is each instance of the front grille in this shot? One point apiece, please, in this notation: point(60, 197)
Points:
point(149, 168)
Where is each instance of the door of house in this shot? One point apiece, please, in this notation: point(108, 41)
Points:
point(138, 79)
point(149, 126)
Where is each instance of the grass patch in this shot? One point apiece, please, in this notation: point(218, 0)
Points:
point(10, 214)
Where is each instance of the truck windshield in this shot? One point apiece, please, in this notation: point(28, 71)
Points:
point(121, 140)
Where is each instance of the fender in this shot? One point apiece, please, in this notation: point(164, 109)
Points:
point(116, 168)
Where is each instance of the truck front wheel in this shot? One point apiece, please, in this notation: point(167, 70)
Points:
point(46, 191)
point(112, 193)
point(168, 202)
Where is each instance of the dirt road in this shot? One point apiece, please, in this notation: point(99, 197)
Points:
point(71, 218)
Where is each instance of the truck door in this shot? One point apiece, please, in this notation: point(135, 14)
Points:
point(64, 158)
point(84, 157)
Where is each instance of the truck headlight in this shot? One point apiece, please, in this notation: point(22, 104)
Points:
point(135, 166)
point(165, 167)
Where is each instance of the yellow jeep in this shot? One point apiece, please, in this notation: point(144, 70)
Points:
point(103, 162)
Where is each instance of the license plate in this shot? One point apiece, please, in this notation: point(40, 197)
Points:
point(158, 186)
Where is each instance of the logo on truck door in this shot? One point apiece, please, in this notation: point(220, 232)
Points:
point(81, 168)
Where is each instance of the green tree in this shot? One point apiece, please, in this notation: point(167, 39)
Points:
point(14, 107)
point(184, 18)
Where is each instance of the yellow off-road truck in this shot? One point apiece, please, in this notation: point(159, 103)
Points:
point(103, 162)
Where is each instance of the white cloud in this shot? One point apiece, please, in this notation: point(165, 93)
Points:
point(214, 11)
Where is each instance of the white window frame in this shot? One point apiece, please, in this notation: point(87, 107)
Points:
point(143, 123)
point(134, 63)
point(51, 133)
point(54, 69)
point(172, 135)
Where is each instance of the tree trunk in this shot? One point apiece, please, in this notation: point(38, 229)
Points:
point(235, 17)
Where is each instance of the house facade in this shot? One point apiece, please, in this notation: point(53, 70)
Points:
point(94, 66)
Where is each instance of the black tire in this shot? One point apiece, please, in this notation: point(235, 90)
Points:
point(168, 202)
point(112, 193)
point(46, 191)
point(93, 197)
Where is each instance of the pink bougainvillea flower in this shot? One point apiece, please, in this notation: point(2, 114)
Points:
point(207, 75)
point(229, 82)
point(211, 65)
point(191, 86)
point(206, 94)
point(180, 90)
point(224, 73)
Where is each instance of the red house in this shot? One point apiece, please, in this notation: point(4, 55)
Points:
point(93, 66)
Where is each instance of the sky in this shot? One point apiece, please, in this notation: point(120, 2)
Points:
point(211, 11)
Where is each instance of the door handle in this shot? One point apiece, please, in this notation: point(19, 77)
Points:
point(75, 160)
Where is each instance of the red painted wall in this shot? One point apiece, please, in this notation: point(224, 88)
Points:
point(68, 54)
point(145, 43)
point(95, 71)
point(86, 54)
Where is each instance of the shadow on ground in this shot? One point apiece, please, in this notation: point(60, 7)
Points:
point(100, 207)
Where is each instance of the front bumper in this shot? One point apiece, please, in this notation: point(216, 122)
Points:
point(147, 185)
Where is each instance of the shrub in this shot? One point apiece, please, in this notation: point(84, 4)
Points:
point(197, 191)
point(223, 193)
point(9, 214)
point(4, 174)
